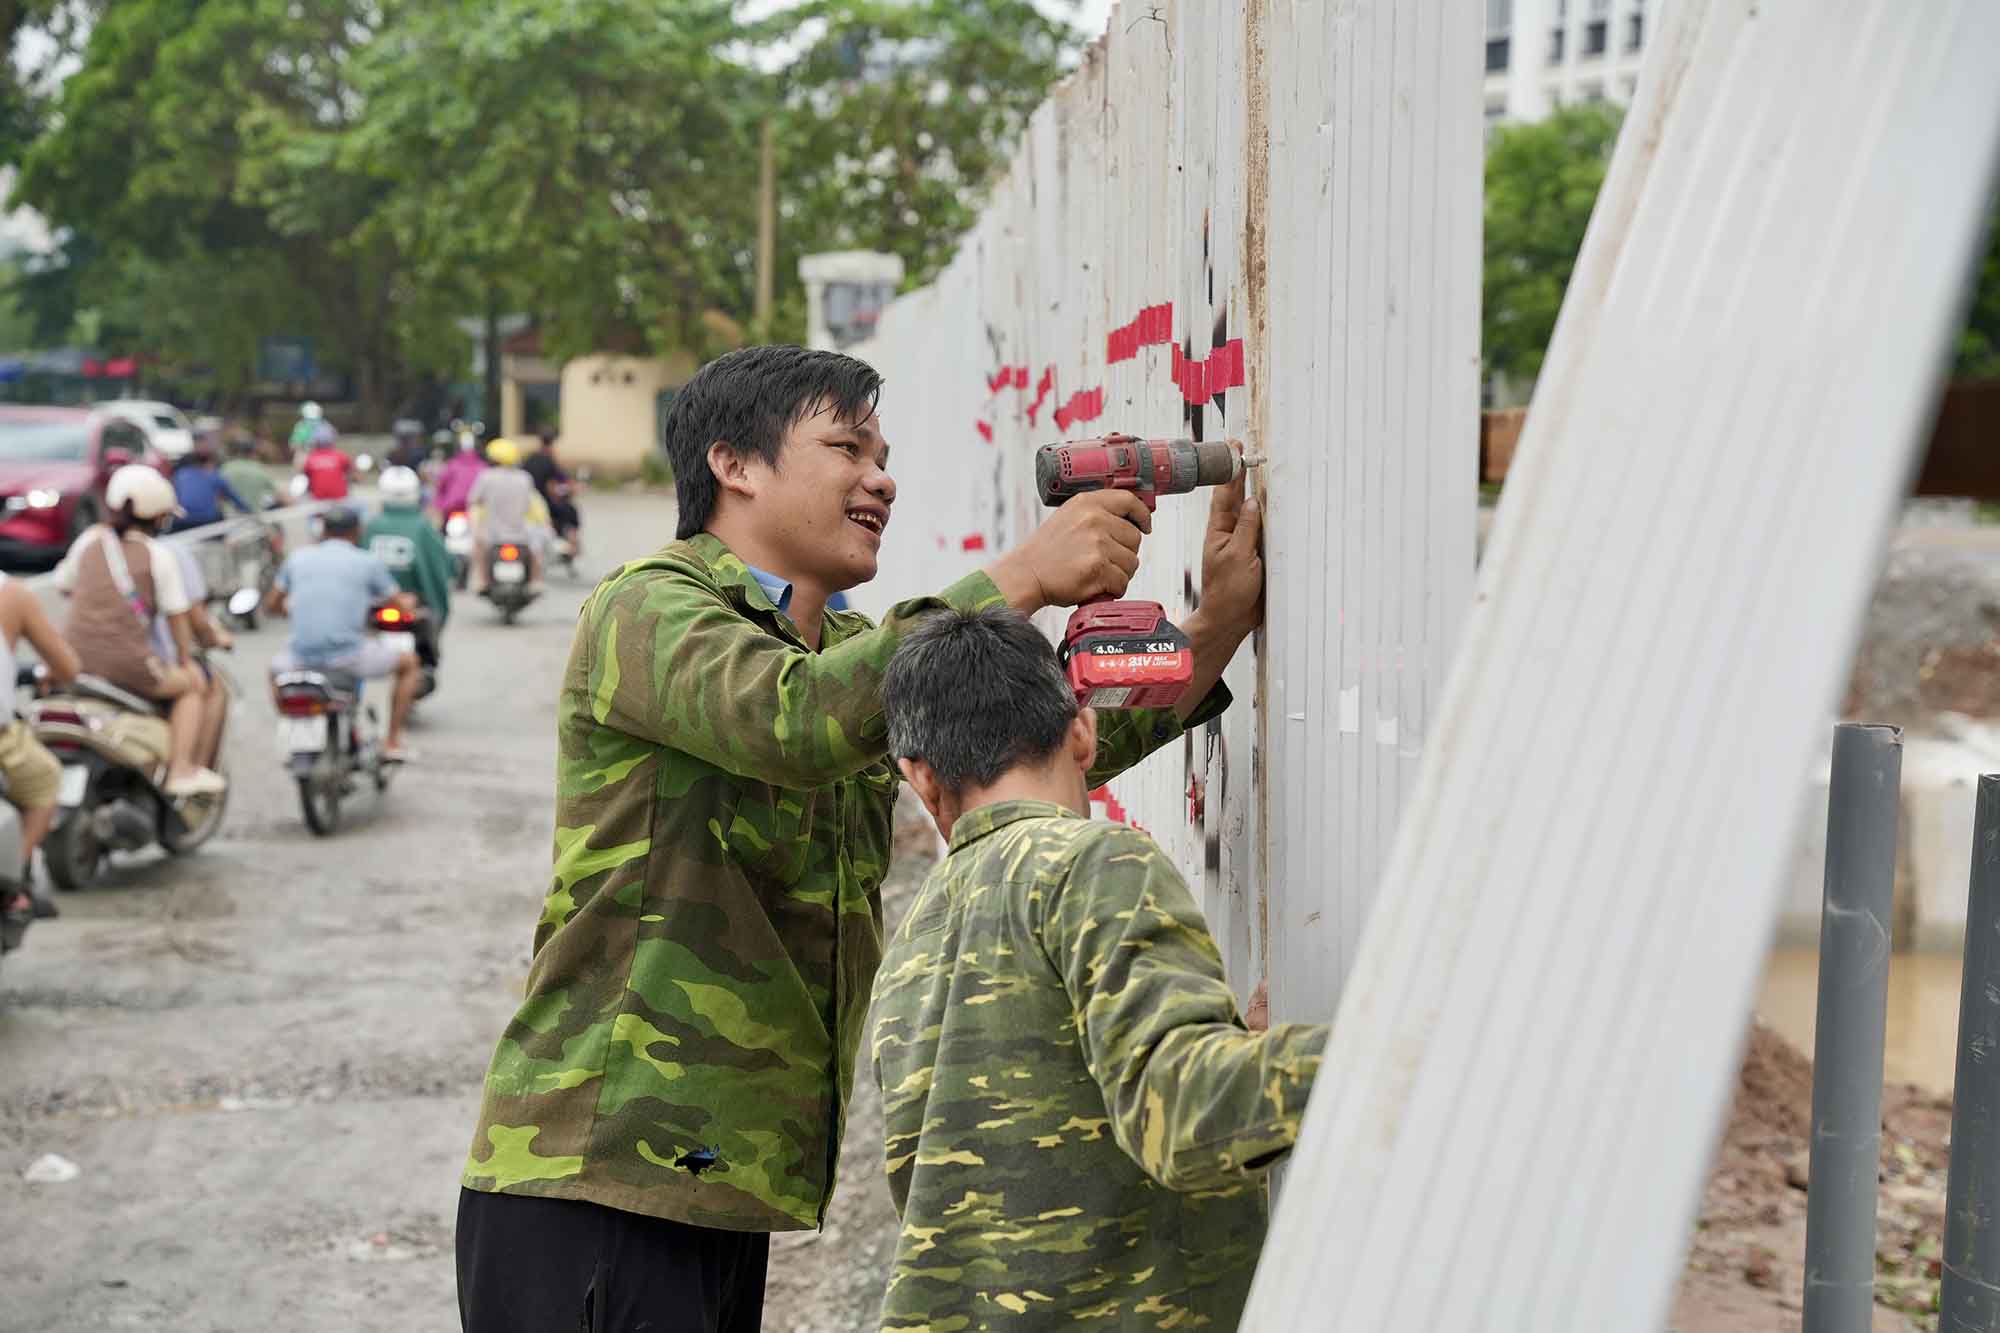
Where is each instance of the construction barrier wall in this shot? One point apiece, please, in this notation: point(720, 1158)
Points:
point(1256, 221)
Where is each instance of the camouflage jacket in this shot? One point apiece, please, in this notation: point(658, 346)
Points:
point(1075, 1115)
point(703, 961)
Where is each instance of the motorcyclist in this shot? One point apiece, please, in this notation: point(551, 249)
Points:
point(456, 480)
point(305, 433)
point(404, 540)
point(409, 449)
point(506, 507)
point(34, 776)
point(130, 616)
point(552, 479)
point(201, 490)
point(247, 476)
point(329, 590)
point(326, 467)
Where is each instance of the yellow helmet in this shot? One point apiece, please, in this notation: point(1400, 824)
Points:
point(503, 452)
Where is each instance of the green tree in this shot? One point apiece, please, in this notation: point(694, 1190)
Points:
point(357, 170)
point(898, 117)
point(198, 147)
point(593, 157)
point(1979, 344)
point(1541, 183)
point(601, 156)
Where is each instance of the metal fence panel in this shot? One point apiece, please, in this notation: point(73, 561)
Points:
point(1257, 221)
point(1532, 1056)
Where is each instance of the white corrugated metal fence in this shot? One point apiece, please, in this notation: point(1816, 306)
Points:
point(1262, 222)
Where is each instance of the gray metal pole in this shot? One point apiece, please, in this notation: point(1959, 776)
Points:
point(1854, 946)
point(1970, 1298)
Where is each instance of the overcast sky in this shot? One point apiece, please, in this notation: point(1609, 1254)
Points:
point(1090, 15)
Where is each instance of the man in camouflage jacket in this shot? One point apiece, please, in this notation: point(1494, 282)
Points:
point(1076, 1118)
point(671, 1090)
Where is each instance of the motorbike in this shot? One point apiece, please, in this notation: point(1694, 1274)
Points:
point(563, 549)
point(330, 739)
point(507, 581)
point(458, 545)
point(114, 746)
point(410, 632)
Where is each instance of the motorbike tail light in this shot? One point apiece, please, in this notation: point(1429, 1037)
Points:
point(59, 717)
point(302, 705)
point(389, 615)
point(510, 553)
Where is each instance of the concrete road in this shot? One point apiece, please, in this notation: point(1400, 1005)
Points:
point(265, 1058)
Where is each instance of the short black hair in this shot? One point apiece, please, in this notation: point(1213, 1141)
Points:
point(974, 694)
point(340, 519)
point(748, 399)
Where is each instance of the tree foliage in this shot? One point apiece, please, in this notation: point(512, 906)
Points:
point(1979, 345)
point(359, 170)
point(898, 116)
point(596, 157)
point(1541, 183)
point(198, 149)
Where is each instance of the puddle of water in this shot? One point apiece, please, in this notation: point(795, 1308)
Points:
point(1921, 1037)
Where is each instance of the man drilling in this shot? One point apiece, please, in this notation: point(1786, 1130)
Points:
point(674, 1085)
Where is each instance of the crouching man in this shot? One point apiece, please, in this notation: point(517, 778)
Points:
point(1076, 1117)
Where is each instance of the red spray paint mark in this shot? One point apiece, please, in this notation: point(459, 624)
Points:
point(1016, 376)
point(985, 431)
point(1113, 808)
point(973, 542)
point(1042, 388)
point(1153, 325)
point(1087, 405)
point(1201, 380)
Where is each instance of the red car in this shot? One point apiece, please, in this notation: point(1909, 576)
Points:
point(54, 462)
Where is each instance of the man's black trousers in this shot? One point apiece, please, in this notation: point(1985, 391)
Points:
point(528, 1265)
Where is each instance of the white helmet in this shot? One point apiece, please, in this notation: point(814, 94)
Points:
point(150, 494)
point(399, 486)
point(310, 411)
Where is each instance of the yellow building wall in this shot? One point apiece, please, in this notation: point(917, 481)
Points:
point(608, 406)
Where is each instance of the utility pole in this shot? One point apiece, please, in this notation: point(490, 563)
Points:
point(767, 230)
point(491, 412)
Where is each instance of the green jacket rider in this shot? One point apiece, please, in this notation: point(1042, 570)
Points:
point(404, 540)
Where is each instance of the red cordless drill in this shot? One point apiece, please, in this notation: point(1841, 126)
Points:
point(1124, 654)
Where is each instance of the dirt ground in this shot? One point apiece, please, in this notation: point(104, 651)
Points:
point(1745, 1269)
point(1932, 641)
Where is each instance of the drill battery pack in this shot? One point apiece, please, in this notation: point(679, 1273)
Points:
point(1126, 655)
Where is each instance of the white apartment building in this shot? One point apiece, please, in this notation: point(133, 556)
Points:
point(1544, 54)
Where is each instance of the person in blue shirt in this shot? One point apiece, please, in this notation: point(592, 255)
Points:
point(329, 590)
point(200, 489)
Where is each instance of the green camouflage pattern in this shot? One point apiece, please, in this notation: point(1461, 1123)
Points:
point(703, 961)
point(1076, 1118)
